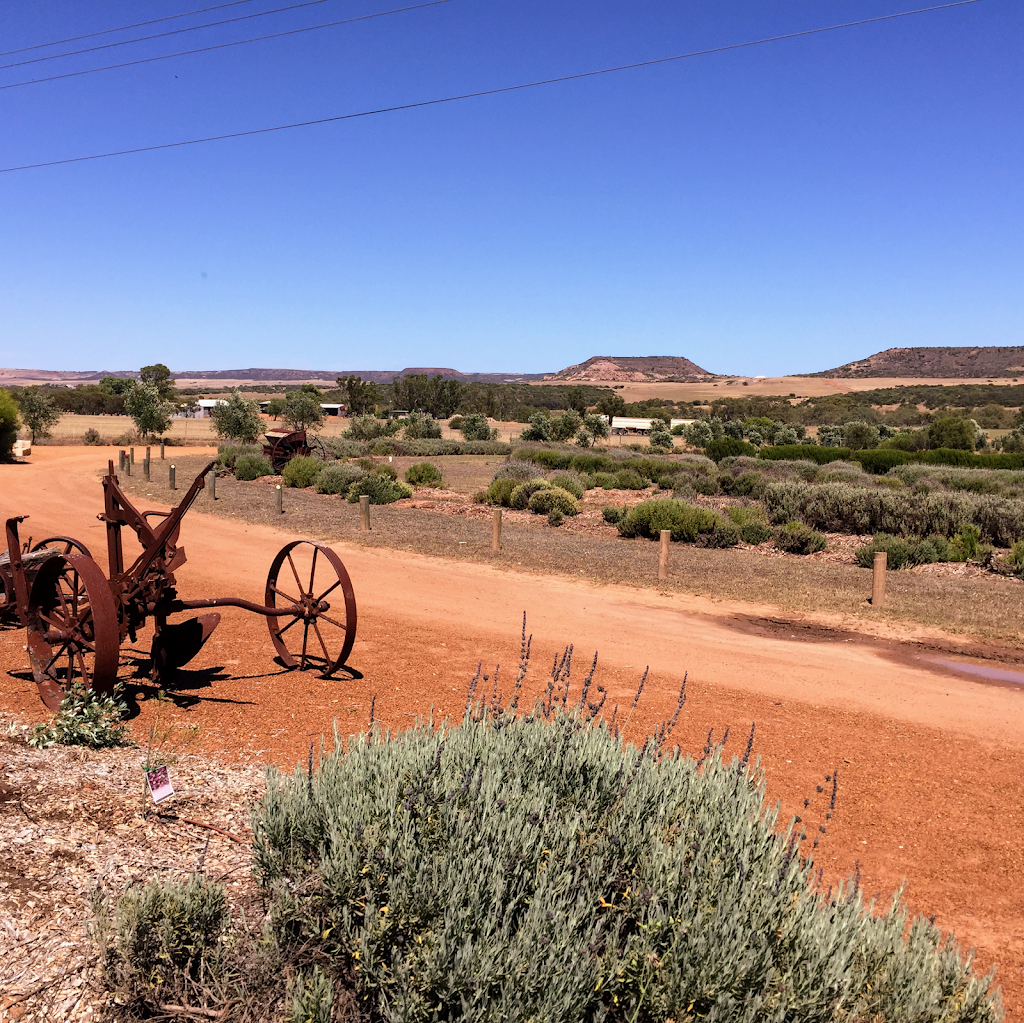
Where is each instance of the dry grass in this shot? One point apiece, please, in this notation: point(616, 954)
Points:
point(985, 606)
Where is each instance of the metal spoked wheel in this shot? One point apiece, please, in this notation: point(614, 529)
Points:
point(73, 633)
point(8, 605)
point(63, 545)
point(311, 579)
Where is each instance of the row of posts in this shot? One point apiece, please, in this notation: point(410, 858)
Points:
point(127, 460)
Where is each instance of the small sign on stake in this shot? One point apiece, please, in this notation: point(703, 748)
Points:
point(159, 782)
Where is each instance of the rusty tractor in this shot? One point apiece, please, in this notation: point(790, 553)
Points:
point(76, 618)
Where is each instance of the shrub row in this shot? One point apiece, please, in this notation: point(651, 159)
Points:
point(840, 508)
point(907, 552)
point(881, 460)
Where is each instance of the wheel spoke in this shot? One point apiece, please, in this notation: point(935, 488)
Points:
point(298, 581)
point(305, 640)
point(312, 569)
point(81, 666)
point(331, 621)
point(333, 586)
point(281, 632)
point(281, 593)
point(49, 664)
point(327, 656)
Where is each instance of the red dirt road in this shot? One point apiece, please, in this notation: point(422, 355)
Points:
point(930, 787)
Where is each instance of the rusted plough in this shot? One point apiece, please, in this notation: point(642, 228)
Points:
point(77, 618)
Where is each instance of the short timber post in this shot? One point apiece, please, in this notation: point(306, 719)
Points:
point(496, 531)
point(120, 460)
point(145, 466)
point(364, 512)
point(128, 466)
point(878, 580)
point(666, 536)
point(131, 456)
point(212, 478)
point(161, 449)
point(280, 500)
point(170, 477)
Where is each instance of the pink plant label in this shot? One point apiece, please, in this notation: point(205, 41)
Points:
point(160, 784)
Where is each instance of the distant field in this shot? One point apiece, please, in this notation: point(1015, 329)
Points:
point(801, 387)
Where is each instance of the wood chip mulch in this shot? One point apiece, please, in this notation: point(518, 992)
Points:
point(71, 822)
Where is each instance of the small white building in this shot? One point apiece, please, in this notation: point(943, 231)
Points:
point(629, 424)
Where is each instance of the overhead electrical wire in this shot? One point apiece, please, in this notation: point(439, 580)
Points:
point(222, 46)
point(163, 35)
point(121, 28)
point(492, 92)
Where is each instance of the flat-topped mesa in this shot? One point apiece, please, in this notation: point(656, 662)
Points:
point(634, 369)
point(977, 363)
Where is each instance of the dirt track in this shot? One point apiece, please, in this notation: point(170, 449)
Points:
point(929, 763)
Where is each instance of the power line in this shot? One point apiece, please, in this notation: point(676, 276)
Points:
point(121, 28)
point(222, 46)
point(492, 92)
point(161, 35)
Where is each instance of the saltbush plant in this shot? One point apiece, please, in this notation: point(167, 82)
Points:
point(797, 538)
point(500, 491)
point(228, 454)
point(424, 474)
point(86, 718)
point(477, 427)
point(522, 492)
point(337, 477)
point(252, 467)
point(537, 868)
point(301, 471)
point(630, 479)
point(550, 499)
point(370, 428)
point(516, 469)
point(380, 489)
point(419, 426)
point(573, 482)
point(613, 513)
point(648, 518)
point(908, 552)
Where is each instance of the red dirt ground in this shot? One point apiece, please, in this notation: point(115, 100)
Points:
point(930, 789)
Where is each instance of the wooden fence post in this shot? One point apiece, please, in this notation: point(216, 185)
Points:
point(878, 580)
point(666, 536)
point(145, 467)
point(131, 456)
point(496, 531)
point(364, 512)
point(211, 477)
point(170, 477)
point(280, 500)
point(161, 449)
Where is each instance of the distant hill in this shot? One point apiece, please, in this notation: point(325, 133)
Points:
point(23, 377)
point(970, 363)
point(633, 369)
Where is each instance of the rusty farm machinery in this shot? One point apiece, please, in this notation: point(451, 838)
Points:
point(76, 618)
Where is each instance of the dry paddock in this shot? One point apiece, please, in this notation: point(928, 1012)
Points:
point(929, 760)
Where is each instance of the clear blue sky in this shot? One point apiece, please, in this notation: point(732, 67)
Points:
point(776, 209)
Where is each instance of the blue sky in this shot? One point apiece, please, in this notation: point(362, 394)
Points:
point(776, 209)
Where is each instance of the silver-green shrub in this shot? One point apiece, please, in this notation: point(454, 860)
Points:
point(535, 868)
point(381, 489)
point(522, 492)
point(552, 499)
point(570, 481)
point(252, 467)
point(337, 477)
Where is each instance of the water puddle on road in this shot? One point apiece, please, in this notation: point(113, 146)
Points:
point(987, 672)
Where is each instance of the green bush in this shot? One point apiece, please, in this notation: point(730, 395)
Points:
point(604, 480)
point(613, 513)
point(805, 452)
point(381, 489)
point(550, 499)
point(86, 718)
point(746, 484)
point(522, 492)
point(629, 479)
point(570, 481)
point(337, 478)
point(228, 454)
point(726, 447)
point(424, 474)
point(705, 484)
point(649, 518)
point(539, 428)
point(10, 421)
point(755, 532)
point(477, 427)
point(421, 427)
point(910, 551)
point(1015, 558)
point(252, 467)
point(545, 870)
point(500, 491)
point(371, 428)
point(92, 438)
point(797, 538)
point(301, 471)
point(555, 517)
point(165, 934)
point(724, 534)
